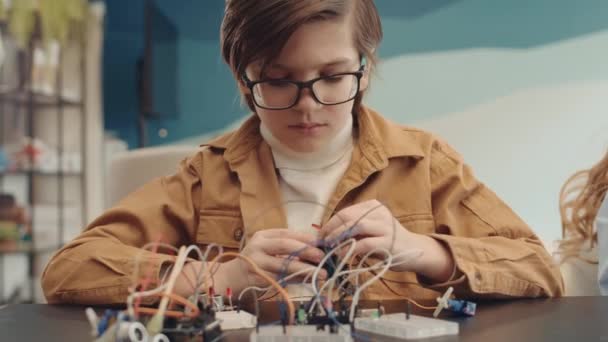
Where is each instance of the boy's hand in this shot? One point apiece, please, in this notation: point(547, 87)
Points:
point(373, 226)
point(269, 249)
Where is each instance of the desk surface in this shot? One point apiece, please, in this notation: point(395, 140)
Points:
point(564, 319)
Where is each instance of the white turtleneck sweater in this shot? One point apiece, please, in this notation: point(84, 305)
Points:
point(307, 181)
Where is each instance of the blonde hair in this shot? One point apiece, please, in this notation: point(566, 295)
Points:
point(580, 200)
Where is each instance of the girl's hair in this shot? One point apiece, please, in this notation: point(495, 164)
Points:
point(257, 30)
point(580, 201)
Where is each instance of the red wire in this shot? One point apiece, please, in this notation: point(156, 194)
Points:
point(145, 281)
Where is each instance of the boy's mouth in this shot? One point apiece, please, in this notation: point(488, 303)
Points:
point(307, 125)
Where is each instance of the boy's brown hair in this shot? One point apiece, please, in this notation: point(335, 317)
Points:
point(256, 30)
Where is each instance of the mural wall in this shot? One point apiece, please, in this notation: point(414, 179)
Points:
point(520, 88)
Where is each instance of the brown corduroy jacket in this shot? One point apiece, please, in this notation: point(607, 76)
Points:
point(229, 190)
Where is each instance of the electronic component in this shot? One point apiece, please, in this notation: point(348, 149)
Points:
point(323, 317)
point(400, 327)
point(205, 324)
point(125, 331)
point(233, 320)
point(301, 333)
point(442, 302)
point(218, 302)
point(93, 320)
point(463, 307)
point(160, 338)
point(229, 296)
point(369, 313)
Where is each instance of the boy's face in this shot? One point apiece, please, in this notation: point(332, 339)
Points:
point(316, 49)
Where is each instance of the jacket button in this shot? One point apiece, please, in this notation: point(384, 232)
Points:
point(238, 234)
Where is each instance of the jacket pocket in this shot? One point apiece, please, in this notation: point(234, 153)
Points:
point(224, 228)
point(421, 223)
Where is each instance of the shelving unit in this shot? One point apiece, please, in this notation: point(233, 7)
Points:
point(56, 120)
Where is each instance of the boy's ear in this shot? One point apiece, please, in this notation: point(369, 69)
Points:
point(364, 82)
point(243, 88)
point(364, 79)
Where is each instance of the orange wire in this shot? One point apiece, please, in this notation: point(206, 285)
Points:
point(407, 298)
point(168, 313)
point(144, 282)
point(383, 280)
point(290, 306)
point(177, 314)
point(390, 289)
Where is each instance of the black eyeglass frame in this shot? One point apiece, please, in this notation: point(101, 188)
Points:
point(303, 85)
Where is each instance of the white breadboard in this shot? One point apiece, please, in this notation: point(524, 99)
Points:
point(397, 326)
point(233, 320)
point(300, 333)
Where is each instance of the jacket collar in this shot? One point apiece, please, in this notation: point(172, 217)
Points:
point(379, 139)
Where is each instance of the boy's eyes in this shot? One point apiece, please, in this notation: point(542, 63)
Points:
point(289, 77)
point(278, 83)
point(335, 79)
point(276, 76)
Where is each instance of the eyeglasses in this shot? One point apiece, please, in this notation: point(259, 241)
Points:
point(277, 94)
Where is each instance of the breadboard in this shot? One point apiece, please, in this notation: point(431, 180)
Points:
point(234, 320)
point(397, 326)
point(300, 333)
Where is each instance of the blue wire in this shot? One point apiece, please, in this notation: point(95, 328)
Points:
point(319, 243)
point(352, 333)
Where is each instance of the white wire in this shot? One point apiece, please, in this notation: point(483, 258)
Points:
point(254, 288)
point(356, 271)
point(317, 294)
point(315, 275)
point(409, 255)
point(203, 259)
point(261, 289)
point(208, 249)
point(338, 270)
point(355, 299)
point(141, 252)
point(162, 287)
point(132, 296)
point(360, 270)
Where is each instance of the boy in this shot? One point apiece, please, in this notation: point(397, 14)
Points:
point(303, 67)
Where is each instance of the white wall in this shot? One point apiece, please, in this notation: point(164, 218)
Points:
point(524, 119)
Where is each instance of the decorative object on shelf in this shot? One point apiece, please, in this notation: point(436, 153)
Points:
point(58, 19)
point(14, 224)
point(32, 154)
point(45, 68)
point(42, 96)
point(4, 160)
point(28, 155)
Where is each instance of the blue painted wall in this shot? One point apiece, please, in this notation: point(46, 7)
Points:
point(208, 99)
point(207, 96)
point(123, 44)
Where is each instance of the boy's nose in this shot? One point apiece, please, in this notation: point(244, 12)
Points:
point(307, 101)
